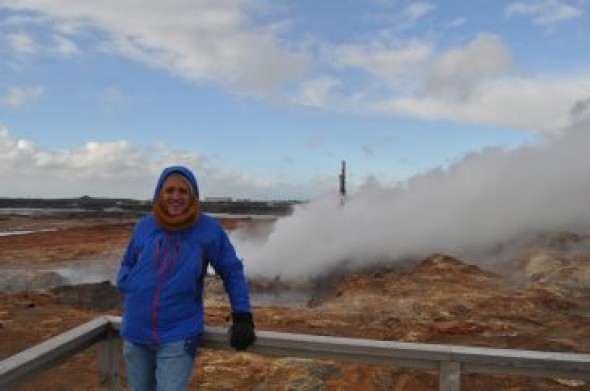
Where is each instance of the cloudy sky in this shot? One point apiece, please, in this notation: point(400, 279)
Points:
point(263, 99)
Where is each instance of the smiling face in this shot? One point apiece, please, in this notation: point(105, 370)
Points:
point(175, 195)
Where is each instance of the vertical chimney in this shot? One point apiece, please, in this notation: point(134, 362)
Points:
point(343, 181)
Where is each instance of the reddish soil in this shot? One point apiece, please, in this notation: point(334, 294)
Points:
point(441, 300)
point(71, 239)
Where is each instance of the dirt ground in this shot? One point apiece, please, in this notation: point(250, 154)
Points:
point(63, 239)
point(441, 300)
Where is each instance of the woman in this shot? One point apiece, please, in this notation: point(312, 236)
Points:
point(162, 277)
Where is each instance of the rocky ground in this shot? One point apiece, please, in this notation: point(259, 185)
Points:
point(538, 299)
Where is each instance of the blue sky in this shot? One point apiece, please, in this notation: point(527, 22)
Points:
point(263, 99)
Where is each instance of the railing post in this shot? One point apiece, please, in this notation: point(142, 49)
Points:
point(108, 362)
point(450, 376)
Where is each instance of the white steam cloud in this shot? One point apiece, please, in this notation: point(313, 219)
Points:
point(485, 199)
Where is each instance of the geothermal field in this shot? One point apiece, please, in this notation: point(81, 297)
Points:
point(527, 292)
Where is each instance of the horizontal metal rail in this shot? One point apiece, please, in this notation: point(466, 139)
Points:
point(450, 360)
point(30, 362)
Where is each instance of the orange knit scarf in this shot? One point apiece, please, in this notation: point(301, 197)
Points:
point(176, 223)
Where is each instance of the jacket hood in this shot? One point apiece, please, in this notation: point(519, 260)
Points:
point(185, 172)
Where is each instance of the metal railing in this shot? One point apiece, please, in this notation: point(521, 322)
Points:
point(450, 360)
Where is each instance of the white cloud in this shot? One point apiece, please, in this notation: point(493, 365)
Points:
point(65, 47)
point(415, 67)
point(234, 43)
point(532, 104)
point(119, 169)
point(317, 92)
point(544, 13)
point(21, 43)
point(19, 97)
point(457, 71)
point(395, 65)
point(457, 22)
point(402, 16)
point(417, 10)
point(215, 41)
point(476, 82)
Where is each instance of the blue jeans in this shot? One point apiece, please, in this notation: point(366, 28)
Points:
point(159, 367)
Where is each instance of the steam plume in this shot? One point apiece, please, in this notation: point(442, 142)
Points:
point(486, 198)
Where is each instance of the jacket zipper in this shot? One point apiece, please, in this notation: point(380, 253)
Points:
point(160, 279)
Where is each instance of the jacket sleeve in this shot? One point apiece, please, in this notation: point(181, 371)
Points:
point(222, 256)
point(128, 261)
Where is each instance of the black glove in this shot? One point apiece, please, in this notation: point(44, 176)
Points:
point(242, 330)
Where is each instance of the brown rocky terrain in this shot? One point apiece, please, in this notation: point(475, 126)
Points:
point(538, 300)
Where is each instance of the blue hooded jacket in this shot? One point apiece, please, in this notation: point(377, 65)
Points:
point(162, 275)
